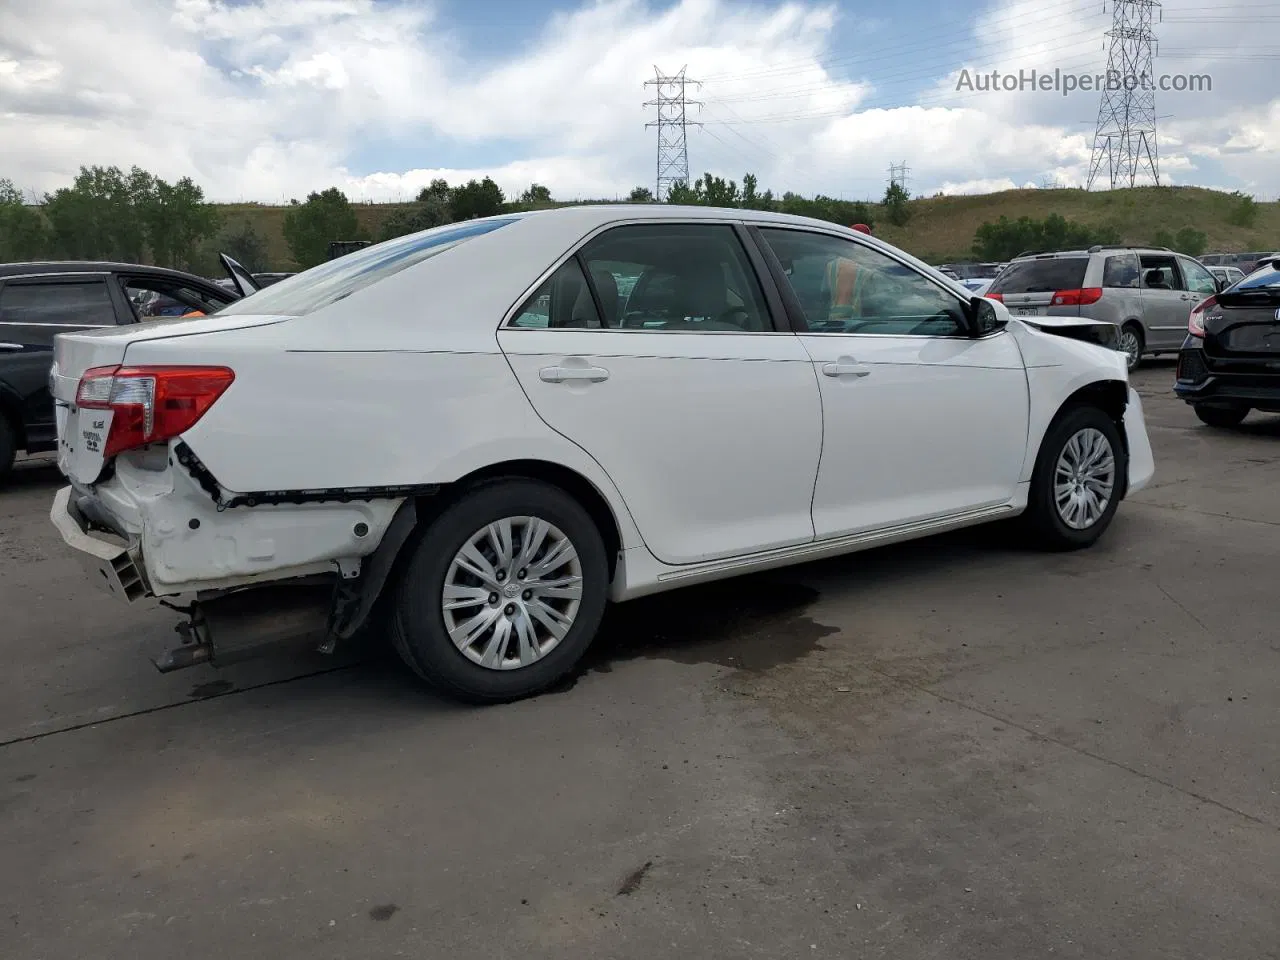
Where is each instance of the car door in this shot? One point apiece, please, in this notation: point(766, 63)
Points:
point(1165, 305)
point(654, 348)
point(33, 310)
point(921, 420)
point(1199, 283)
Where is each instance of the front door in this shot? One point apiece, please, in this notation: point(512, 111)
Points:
point(33, 310)
point(667, 369)
point(921, 420)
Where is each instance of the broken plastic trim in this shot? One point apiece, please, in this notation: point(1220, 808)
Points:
point(203, 476)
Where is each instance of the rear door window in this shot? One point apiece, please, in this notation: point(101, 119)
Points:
point(1042, 276)
point(57, 303)
point(1121, 270)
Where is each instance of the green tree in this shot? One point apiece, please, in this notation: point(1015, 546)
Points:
point(1007, 238)
point(99, 215)
point(896, 203)
point(310, 227)
point(482, 198)
point(176, 219)
point(245, 245)
point(641, 195)
point(438, 190)
point(536, 194)
point(682, 194)
point(24, 235)
point(1244, 210)
point(421, 216)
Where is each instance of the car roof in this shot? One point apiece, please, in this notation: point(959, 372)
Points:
point(1049, 254)
point(36, 267)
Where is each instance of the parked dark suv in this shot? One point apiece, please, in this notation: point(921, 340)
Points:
point(40, 300)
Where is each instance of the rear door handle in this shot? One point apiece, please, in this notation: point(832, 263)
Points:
point(845, 367)
point(563, 374)
point(10, 346)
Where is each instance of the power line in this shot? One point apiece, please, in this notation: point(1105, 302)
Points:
point(1125, 137)
point(673, 124)
point(898, 175)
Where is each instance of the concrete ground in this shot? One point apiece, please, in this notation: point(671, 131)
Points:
point(951, 749)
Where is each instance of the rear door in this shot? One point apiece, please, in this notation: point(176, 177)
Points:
point(669, 369)
point(1166, 302)
point(33, 310)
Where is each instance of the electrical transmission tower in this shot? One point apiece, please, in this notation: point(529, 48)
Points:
point(1125, 138)
point(899, 174)
point(673, 145)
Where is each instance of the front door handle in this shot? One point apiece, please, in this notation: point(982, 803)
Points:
point(563, 374)
point(10, 346)
point(845, 367)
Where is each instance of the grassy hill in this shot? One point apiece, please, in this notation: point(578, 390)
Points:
point(942, 228)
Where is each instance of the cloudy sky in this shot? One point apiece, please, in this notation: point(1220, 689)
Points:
point(268, 99)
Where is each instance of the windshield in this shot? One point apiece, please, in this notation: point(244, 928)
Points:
point(320, 286)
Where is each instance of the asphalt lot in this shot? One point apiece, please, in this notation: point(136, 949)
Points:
point(950, 749)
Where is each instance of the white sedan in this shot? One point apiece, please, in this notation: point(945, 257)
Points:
point(481, 434)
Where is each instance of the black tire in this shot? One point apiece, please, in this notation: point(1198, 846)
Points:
point(1220, 416)
point(8, 448)
point(418, 628)
point(1042, 520)
point(1133, 359)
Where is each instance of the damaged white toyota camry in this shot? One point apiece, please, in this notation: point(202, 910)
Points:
point(489, 430)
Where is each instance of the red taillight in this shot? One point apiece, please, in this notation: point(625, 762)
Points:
point(150, 404)
point(1195, 323)
point(994, 296)
point(1077, 298)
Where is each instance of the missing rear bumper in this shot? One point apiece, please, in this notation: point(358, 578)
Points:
point(245, 624)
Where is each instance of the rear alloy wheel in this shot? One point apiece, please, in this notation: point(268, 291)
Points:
point(1221, 416)
point(1131, 345)
point(504, 593)
point(1078, 480)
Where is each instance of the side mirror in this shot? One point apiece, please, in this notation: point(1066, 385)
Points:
point(1219, 284)
point(986, 316)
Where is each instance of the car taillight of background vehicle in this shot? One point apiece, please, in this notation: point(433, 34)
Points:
point(994, 296)
point(150, 404)
point(1195, 323)
point(1077, 298)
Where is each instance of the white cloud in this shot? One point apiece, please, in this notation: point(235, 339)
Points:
point(266, 99)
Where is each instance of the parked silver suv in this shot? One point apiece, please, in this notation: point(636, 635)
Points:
point(1148, 292)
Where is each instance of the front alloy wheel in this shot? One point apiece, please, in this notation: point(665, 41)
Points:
point(1078, 479)
point(512, 593)
point(1084, 479)
point(503, 592)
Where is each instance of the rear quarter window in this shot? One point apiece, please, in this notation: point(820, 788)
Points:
point(1042, 276)
point(1122, 270)
point(320, 286)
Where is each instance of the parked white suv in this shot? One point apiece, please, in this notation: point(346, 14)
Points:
point(497, 426)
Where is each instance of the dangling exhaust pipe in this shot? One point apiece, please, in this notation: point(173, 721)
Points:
point(245, 624)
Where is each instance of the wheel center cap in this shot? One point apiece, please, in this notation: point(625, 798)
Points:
point(511, 590)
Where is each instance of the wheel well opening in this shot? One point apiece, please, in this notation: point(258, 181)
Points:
point(573, 483)
point(1111, 396)
point(10, 413)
